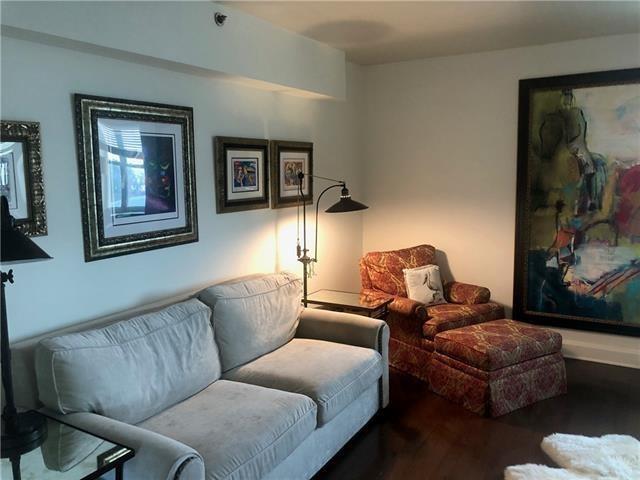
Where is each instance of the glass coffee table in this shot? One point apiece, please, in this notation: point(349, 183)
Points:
point(350, 302)
point(67, 453)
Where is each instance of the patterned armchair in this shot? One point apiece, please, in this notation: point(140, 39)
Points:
point(413, 325)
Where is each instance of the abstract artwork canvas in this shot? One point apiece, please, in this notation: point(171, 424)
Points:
point(291, 168)
point(578, 212)
point(245, 178)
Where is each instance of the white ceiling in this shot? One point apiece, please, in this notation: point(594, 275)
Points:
point(384, 32)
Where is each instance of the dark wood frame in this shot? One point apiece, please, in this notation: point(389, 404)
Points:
point(88, 109)
point(28, 133)
point(527, 86)
point(220, 147)
point(276, 147)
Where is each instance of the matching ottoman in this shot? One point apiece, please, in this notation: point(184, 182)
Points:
point(496, 367)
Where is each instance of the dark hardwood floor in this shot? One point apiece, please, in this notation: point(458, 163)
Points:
point(423, 436)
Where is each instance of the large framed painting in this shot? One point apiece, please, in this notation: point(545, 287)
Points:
point(241, 168)
point(21, 178)
point(287, 160)
point(577, 259)
point(137, 175)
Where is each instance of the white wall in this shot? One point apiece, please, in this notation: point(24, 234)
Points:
point(440, 161)
point(182, 35)
point(37, 84)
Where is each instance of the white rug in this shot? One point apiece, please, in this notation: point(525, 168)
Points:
point(610, 457)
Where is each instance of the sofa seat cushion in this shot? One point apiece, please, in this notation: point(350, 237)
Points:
point(501, 343)
point(332, 374)
point(241, 431)
point(448, 316)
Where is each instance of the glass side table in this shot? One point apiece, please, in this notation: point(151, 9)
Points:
point(68, 453)
point(351, 302)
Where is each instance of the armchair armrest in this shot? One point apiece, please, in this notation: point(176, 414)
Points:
point(465, 293)
point(411, 308)
point(156, 456)
point(402, 305)
point(350, 329)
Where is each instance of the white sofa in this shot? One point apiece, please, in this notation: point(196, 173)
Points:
point(238, 382)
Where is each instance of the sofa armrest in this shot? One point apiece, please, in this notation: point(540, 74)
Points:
point(350, 329)
point(402, 305)
point(156, 456)
point(465, 293)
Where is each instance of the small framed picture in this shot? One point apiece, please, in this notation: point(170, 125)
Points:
point(288, 159)
point(21, 179)
point(137, 175)
point(242, 174)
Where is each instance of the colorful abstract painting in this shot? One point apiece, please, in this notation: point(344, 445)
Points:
point(578, 225)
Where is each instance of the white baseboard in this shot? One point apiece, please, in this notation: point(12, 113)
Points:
point(622, 351)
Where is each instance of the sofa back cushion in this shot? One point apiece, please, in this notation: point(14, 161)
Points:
point(132, 369)
point(384, 270)
point(253, 315)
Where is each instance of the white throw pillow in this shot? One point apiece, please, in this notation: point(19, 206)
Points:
point(424, 284)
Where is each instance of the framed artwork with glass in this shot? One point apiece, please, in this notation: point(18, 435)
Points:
point(137, 175)
point(21, 177)
point(241, 173)
point(288, 159)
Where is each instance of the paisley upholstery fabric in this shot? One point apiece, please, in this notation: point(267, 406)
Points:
point(407, 330)
point(536, 380)
point(497, 344)
point(450, 315)
point(410, 359)
point(412, 325)
point(383, 270)
point(400, 305)
point(409, 351)
point(505, 372)
point(496, 367)
point(465, 293)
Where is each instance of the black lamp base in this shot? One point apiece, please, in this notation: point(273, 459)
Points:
point(29, 433)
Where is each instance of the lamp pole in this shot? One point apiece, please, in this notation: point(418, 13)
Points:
point(344, 205)
point(303, 256)
point(24, 431)
point(9, 414)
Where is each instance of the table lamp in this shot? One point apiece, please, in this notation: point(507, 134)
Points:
point(345, 204)
point(21, 432)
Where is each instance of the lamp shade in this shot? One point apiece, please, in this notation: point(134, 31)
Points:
point(346, 204)
point(16, 247)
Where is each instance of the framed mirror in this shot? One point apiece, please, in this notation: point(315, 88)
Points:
point(21, 178)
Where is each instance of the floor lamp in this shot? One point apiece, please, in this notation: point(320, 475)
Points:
point(345, 204)
point(21, 432)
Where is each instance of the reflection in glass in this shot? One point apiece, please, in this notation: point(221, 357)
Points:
point(8, 153)
point(141, 175)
